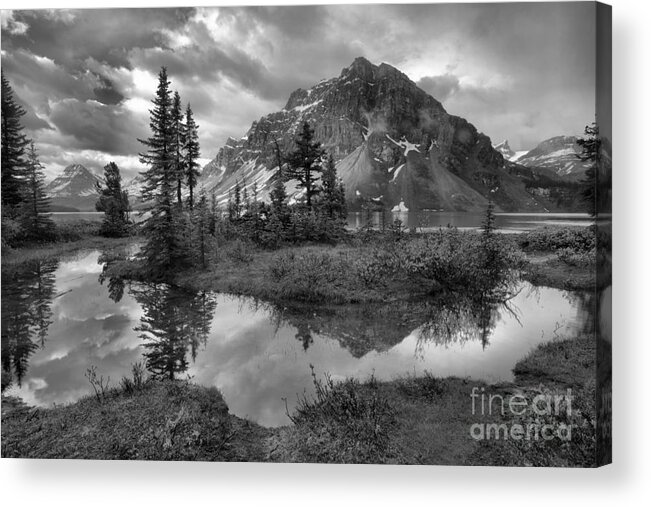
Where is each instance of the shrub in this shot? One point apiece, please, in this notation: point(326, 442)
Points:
point(551, 239)
point(240, 251)
point(574, 258)
point(462, 261)
point(76, 230)
point(310, 277)
point(345, 422)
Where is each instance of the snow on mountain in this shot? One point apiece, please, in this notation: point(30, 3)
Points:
point(74, 188)
point(505, 150)
point(558, 154)
point(388, 137)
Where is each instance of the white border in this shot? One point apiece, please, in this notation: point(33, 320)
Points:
point(95, 484)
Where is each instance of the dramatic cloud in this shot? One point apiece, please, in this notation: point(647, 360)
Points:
point(441, 87)
point(519, 71)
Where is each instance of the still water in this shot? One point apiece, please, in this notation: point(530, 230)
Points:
point(60, 317)
point(507, 222)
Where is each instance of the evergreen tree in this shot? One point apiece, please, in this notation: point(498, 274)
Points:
point(278, 194)
point(14, 143)
point(236, 204)
point(191, 153)
point(333, 198)
point(590, 151)
point(201, 222)
point(114, 202)
point(212, 225)
point(177, 146)
point(304, 163)
point(162, 248)
point(35, 207)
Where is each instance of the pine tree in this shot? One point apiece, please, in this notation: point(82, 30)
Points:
point(201, 222)
point(590, 152)
point(162, 249)
point(278, 194)
point(178, 130)
point(191, 153)
point(35, 205)
point(235, 203)
point(14, 143)
point(212, 225)
point(114, 202)
point(332, 191)
point(304, 163)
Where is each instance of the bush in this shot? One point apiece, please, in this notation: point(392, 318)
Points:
point(579, 259)
point(240, 251)
point(310, 277)
point(463, 261)
point(76, 230)
point(345, 422)
point(552, 239)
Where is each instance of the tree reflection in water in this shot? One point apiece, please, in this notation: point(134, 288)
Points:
point(175, 323)
point(27, 293)
point(448, 318)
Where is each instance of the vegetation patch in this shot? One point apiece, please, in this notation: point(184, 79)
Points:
point(159, 420)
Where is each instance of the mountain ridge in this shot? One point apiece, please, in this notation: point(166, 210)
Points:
point(391, 141)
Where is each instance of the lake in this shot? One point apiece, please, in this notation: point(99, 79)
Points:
point(507, 222)
point(61, 317)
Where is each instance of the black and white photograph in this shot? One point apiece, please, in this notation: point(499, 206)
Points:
point(337, 234)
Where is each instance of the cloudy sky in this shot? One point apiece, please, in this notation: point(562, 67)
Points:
point(522, 72)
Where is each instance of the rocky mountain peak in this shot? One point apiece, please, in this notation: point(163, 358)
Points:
point(75, 187)
point(392, 141)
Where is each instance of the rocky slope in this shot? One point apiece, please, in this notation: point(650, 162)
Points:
point(393, 143)
point(558, 154)
point(74, 188)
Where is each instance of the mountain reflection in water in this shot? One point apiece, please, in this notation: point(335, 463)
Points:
point(58, 318)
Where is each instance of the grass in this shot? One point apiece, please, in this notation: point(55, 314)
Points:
point(162, 420)
point(364, 269)
point(416, 420)
point(411, 419)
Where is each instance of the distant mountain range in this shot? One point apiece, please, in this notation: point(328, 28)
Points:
point(558, 154)
point(394, 146)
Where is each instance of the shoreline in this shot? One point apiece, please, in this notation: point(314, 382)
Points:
point(179, 420)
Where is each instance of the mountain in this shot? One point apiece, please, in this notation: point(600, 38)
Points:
point(74, 188)
point(392, 142)
point(505, 150)
point(134, 188)
point(559, 154)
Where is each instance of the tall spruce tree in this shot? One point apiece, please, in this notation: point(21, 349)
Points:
point(278, 194)
point(191, 153)
point(114, 202)
point(35, 206)
point(163, 247)
point(305, 163)
point(14, 143)
point(201, 229)
point(590, 151)
point(178, 130)
point(333, 192)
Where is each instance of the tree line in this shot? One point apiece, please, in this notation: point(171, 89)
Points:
point(25, 205)
point(182, 232)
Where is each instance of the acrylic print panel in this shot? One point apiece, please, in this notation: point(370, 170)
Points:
point(355, 234)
